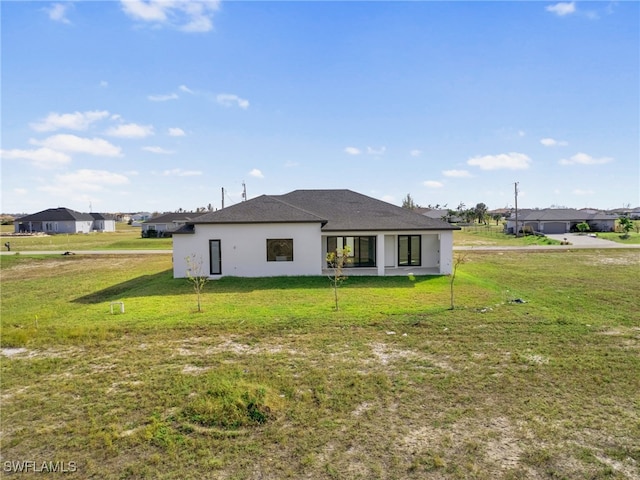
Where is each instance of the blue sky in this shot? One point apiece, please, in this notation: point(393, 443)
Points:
point(157, 105)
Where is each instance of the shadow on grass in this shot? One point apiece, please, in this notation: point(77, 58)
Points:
point(158, 284)
point(239, 284)
point(163, 283)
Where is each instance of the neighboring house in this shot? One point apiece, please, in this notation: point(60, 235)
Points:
point(166, 223)
point(103, 222)
point(439, 214)
point(291, 234)
point(136, 219)
point(60, 220)
point(632, 213)
point(561, 220)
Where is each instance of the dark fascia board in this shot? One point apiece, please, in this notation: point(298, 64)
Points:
point(411, 229)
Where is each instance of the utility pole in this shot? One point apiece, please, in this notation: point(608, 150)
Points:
point(515, 185)
point(222, 197)
point(244, 192)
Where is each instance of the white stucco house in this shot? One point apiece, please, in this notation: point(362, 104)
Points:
point(64, 220)
point(561, 220)
point(291, 234)
point(166, 223)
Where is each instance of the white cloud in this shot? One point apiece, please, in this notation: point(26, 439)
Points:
point(20, 191)
point(158, 150)
point(579, 191)
point(187, 16)
point(186, 89)
point(130, 130)
point(415, 153)
point(71, 121)
point(456, 173)
point(551, 142)
point(433, 184)
point(163, 98)
point(388, 198)
point(176, 132)
point(561, 9)
point(86, 179)
point(178, 172)
point(104, 83)
point(256, 173)
point(229, 100)
point(510, 161)
point(41, 157)
point(73, 143)
point(68, 185)
point(291, 164)
point(147, 11)
point(58, 12)
point(352, 151)
point(584, 159)
point(376, 151)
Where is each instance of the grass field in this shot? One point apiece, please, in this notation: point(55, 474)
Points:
point(492, 235)
point(124, 238)
point(270, 382)
point(632, 238)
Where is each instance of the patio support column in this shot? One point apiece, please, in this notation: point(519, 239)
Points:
point(446, 252)
point(380, 254)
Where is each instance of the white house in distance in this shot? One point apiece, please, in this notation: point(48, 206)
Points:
point(561, 220)
point(166, 223)
point(291, 234)
point(64, 220)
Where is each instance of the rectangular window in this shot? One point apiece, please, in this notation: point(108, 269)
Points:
point(362, 250)
point(409, 250)
point(215, 257)
point(280, 250)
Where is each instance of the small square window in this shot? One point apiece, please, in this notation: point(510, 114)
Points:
point(280, 250)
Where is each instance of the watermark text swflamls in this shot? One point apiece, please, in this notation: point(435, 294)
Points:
point(33, 466)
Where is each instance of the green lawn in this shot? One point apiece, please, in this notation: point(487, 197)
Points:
point(271, 382)
point(631, 239)
point(124, 238)
point(492, 235)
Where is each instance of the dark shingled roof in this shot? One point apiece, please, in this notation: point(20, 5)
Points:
point(173, 217)
point(336, 210)
point(563, 215)
point(102, 216)
point(262, 209)
point(60, 214)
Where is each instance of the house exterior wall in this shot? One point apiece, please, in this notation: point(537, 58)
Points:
point(446, 252)
point(107, 226)
point(64, 226)
point(244, 249)
point(602, 225)
point(431, 250)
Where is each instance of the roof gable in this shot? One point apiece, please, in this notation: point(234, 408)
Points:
point(60, 214)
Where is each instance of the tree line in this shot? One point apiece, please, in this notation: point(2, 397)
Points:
point(479, 213)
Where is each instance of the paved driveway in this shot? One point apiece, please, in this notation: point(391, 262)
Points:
point(584, 240)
